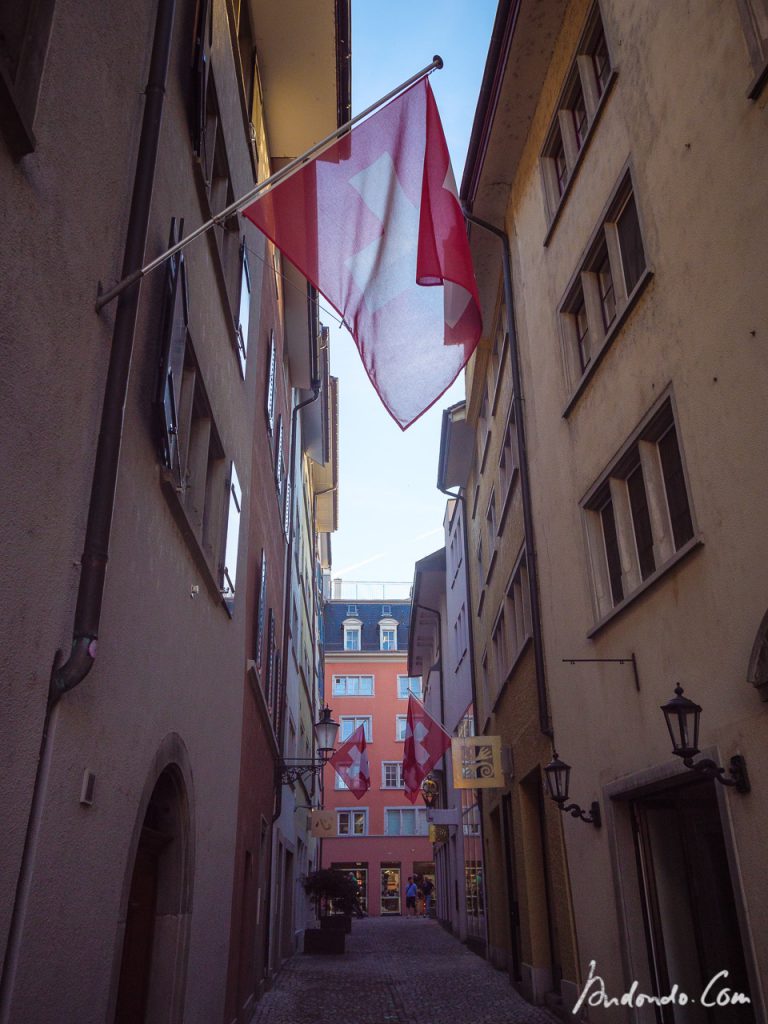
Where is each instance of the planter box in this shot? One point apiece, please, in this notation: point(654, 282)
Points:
point(324, 940)
point(337, 921)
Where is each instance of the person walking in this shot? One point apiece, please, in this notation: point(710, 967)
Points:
point(411, 891)
point(427, 888)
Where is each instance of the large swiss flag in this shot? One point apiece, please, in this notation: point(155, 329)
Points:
point(375, 224)
point(425, 743)
point(350, 762)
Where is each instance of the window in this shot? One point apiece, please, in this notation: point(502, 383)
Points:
point(287, 509)
point(269, 395)
point(391, 775)
point(754, 23)
point(513, 623)
point(349, 723)
point(407, 685)
point(508, 461)
point(338, 782)
point(460, 638)
point(490, 518)
point(279, 457)
point(388, 638)
point(578, 107)
point(202, 484)
point(607, 285)
point(352, 823)
point(405, 821)
point(352, 630)
point(500, 658)
point(270, 684)
point(202, 67)
point(352, 686)
point(401, 722)
point(639, 514)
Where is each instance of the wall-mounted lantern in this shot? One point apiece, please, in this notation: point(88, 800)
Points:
point(682, 717)
point(558, 779)
point(325, 730)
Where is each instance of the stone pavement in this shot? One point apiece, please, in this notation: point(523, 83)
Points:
point(395, 971)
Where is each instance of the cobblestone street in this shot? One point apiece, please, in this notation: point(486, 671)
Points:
point(395, 971)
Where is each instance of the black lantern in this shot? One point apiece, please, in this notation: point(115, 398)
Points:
point(558, 775)
point(325, 730)
point(325, 733)
point(558, 779)
point(682, 717)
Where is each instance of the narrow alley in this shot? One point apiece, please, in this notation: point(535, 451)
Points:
point(396, 971)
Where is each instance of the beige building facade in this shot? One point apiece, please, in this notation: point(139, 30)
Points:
point(621, 150)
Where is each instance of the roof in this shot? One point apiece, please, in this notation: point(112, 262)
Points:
point(370, 614)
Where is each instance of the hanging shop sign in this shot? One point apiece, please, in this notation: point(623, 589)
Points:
point(477, 762)
point(438, 834)
point(322, 824)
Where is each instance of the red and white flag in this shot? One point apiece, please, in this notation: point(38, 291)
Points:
point(350, 762)
point(425, 743)
point(374, 222)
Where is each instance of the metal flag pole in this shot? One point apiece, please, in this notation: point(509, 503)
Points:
point(106, 297)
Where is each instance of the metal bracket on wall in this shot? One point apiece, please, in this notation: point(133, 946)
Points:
point(631, 660)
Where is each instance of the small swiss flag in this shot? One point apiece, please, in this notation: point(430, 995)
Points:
point(351, 763)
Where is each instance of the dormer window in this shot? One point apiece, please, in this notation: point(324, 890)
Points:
point(388, 634)
point(352, 632)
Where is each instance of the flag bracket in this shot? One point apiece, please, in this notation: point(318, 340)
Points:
point(103, 298)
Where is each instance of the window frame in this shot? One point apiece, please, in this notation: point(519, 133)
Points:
point(20, 86)
point(336, 679)
point(351, 812)
point(603, 245)
point(398, 766)
point(400, 720)
point(419, 815)
point(357, 720)
point(611, 488)
point(757, 47)
point(581, 81)
point(352, 626)
point(408, 691)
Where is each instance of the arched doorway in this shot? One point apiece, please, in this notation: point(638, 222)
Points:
point(153, 963)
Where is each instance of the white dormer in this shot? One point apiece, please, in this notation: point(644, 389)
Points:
point(388, 634)
point(353, 628)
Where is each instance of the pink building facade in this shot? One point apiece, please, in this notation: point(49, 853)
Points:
point(381, 838)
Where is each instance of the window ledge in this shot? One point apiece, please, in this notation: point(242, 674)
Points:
point(608, 340)
point(179, 512)
point(692, 545)
point(759, 83)
point(480, 603)
point(579, 159)
point(491, 566)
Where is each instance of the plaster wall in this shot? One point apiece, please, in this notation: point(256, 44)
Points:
point(679, 118)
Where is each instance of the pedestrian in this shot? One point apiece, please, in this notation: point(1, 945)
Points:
point(427, 888)
point(411, 891)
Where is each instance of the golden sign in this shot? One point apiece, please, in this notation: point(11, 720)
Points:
point(438, 833)
point(322, 824)
point(477, 762)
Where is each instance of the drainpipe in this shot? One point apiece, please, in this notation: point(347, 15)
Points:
point(96, 548)
point(545, 724)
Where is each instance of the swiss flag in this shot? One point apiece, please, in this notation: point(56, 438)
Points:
point(350, 762)
point(425, 743)
point(375, 224)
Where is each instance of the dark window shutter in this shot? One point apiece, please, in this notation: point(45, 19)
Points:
point(260, 612)
point(200, 71)
point(173, 345)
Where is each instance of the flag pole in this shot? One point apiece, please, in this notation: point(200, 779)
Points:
point(104, 298)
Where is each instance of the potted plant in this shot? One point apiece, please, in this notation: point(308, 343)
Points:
point(334, 894)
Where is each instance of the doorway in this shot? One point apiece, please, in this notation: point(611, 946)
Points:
point(153, 961)
point(692, 931)
point(390, 889)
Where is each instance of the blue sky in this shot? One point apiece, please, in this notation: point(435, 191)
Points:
point(390, 511)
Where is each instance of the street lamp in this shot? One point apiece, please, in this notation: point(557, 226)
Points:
point(325, 730)
point(558, 779)
point(430, 790)
point(682, 717)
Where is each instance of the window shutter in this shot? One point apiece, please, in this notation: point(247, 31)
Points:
point(244, 315)
point(269, 676)
point(260, 614)
point(279, 454)
point(173, 345)
point(271, 371)
point(201, 69)
point(232, 537)
point(287, 511)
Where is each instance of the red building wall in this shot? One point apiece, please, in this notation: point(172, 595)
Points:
point(377, 850)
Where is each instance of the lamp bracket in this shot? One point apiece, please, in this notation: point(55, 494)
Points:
point(293, 770)
point(631, 660)
point(738, 776)
point(593, 817)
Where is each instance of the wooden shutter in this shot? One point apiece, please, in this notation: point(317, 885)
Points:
point(172, 351)
point(232, 539)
